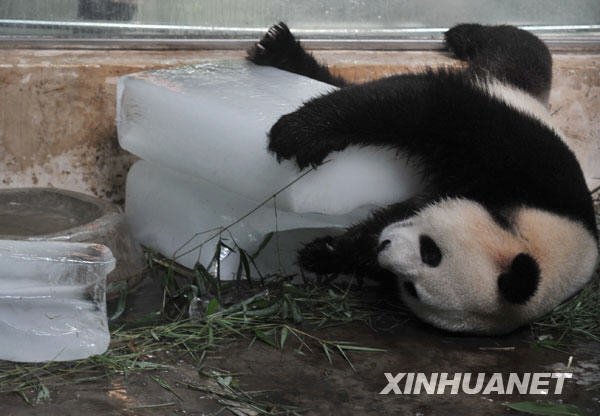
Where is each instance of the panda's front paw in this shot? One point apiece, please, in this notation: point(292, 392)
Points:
point(274, 47)
point(294, 138)
point(322, 256)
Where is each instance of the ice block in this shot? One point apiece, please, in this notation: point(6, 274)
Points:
point(211, 120)
point(52, 300)
point(165, 209)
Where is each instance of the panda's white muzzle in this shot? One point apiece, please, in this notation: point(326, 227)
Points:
point(399, 250)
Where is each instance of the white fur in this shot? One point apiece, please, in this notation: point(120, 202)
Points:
point(461, 294)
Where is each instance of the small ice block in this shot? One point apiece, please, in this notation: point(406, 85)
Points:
point(52, 300)
point(211, 121)
point(166, 209)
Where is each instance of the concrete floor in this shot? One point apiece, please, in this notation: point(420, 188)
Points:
point(310, 382)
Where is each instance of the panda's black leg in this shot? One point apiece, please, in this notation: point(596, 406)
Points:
point(279, 48)
point(355, 251)
point(507, 53)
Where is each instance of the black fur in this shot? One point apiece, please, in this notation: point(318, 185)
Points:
point(510, 54)
point(520, 283)
point(431, 254)
point(470, 144)
point(280, 49)
point(355, 251)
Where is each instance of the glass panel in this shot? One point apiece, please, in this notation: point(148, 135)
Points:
point(317, 19)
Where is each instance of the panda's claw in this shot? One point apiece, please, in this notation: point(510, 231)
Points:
point(281, 26)
point(287, 143)
point(274, 46)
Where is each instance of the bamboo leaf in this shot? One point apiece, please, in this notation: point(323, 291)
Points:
point(296, 313)
point(283, 336)
point(341, 350)
point(22, 395)
point(154, 335)
point(224, 381)
point(165, 386)
point(201, 276)
point(285, 309)
point(294, 290)
point(546, 409)
point(211, 336)
point(359, 348)
point(43, 394)
point(262, 280)
point(212, 306)
point(246, 264)
point(327, 352)
point(227, 247)
point(264, 338)
point(262, 244)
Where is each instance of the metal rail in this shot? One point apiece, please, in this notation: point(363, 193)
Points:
point(123, 35)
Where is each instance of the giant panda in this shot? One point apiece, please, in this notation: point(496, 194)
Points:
point(503, 227)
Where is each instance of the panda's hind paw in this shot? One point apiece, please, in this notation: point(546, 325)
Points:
point(274, 46)
point(462, 39)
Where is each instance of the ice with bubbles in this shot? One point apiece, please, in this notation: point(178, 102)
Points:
point(52, 300)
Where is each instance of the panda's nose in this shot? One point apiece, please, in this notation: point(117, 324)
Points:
point(383, 245)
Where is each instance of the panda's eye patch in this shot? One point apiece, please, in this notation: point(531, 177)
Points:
point(431, 254)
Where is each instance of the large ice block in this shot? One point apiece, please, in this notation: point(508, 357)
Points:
point(166, 209)
point(211, 121)
point(52, 300)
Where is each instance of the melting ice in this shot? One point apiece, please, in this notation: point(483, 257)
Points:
point(52, 300)
point(202, 132)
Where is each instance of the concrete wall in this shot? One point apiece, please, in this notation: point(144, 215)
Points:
point(57, 108)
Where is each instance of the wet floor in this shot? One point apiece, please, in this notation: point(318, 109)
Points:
point(308, 381)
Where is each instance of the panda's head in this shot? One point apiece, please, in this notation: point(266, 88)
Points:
point(458, 269)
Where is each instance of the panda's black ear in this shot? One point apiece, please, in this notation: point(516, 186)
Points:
point(519, 284)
